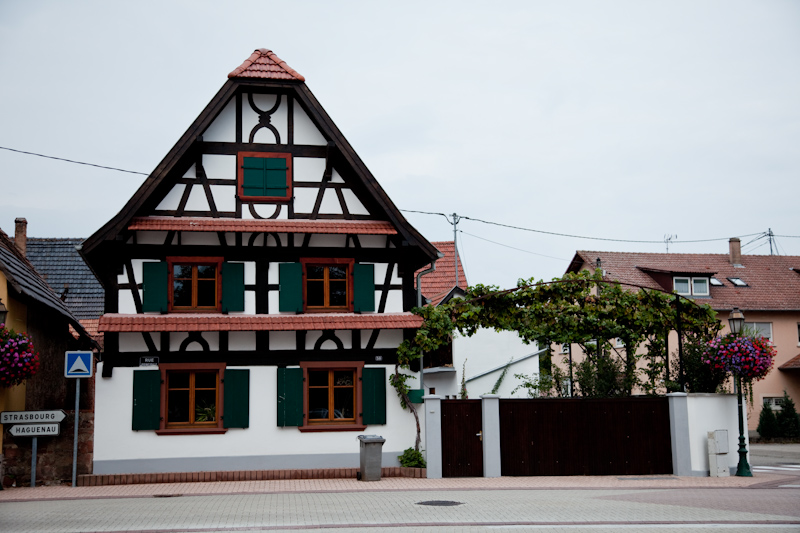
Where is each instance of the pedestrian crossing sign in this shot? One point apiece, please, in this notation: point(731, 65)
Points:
point(78, 365)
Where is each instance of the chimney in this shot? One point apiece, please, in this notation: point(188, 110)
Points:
point(21, 234)
point(736, 251)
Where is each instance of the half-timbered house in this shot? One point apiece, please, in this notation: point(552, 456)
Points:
point(257, 286)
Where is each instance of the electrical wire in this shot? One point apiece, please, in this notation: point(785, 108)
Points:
point(760, 234)
point(72, 161)
point(575, 236)
point(513, 247)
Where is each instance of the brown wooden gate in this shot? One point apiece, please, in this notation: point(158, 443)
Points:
point(573, 437)
point(462, 449)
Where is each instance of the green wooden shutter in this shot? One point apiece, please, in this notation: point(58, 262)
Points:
point(146, 399)
point(290, 397)
point(236, 404)
point(253, 176)
point(155, 278)
point(232, 287)
point(363, 287)
point(264, 176)
point(291, 282)
point(276, 178)
point(373, 395)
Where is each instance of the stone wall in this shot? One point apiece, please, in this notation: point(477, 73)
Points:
point(54, 457)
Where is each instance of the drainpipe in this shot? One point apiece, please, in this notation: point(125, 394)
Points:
point(419, 304)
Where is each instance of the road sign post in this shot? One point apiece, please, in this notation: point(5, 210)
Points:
point(34, 424)
point(77, 365)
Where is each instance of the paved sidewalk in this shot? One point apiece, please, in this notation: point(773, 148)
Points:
point(393, 484)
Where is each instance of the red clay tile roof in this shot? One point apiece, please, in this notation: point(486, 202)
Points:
point(220, 322)
point(265, 64)
point(791, 364)
point(439, 283)
point(773, 280)
point(359, 227)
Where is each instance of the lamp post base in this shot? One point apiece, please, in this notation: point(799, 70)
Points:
point(743, 468)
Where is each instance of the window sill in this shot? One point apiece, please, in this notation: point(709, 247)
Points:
point(331, 427)
point(192, 431)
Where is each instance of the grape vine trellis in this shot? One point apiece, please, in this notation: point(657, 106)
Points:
point(565, 310)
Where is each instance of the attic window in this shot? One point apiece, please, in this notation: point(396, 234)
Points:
point(738, 282)
point(687, 286)
point(716, 283)
point(264, 177)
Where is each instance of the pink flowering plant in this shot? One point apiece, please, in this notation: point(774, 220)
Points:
point(18, 360)
point(749, 357)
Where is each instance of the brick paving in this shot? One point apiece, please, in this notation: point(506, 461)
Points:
point(629, 503)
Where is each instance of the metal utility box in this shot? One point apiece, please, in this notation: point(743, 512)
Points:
point(371, 454)
point(718, 453)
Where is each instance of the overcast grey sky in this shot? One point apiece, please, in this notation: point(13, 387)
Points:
point(615, 119)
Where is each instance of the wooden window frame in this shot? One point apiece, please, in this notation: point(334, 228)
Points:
point(191, 429)
point(688, 283)
point(194, 261)
point(708, 286)
point(350, 425)
point(327, 262)
point(752, 324)
point(264, 155)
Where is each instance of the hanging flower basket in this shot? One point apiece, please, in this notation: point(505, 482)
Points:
point(18, 360)
point(749, 358)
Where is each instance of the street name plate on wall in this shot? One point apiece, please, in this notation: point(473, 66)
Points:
point(148, 361)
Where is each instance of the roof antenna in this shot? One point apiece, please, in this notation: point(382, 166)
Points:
point(668, 239)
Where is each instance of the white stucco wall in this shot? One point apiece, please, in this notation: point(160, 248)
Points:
point(263, 445)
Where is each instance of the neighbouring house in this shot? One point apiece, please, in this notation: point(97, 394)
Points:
point(766, 288)
point(33, 308)
point(60, 264)
point(479, 360)
point(257, 286)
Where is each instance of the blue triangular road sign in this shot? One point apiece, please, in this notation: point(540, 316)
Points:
point(78, 365)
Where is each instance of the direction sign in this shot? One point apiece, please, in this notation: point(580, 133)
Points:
point(30, 417)
point(78, 365)
point(36, 430)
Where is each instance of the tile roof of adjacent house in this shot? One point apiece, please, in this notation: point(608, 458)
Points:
point(791, 364)
point(352, 227)
point(439, 283)
point(265, 64)
point(24, 279)
point(220, 322)
point(773, 281)
point(58, 262)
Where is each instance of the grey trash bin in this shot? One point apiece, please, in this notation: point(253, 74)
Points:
point(371, 452)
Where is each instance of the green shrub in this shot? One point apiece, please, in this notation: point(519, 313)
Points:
point(767, 423)
point(411, 458)
point(788, 420)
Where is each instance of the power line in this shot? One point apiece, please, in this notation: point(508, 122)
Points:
point(760, 234)
point(71, 161)
point(512, 247)
point(577, 236)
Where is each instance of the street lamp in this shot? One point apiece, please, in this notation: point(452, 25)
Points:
point(736, 322)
